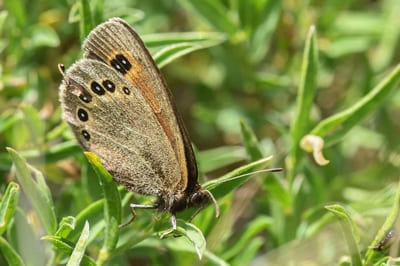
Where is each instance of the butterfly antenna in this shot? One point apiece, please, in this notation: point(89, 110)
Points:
point(253, 173)
point(215, 203)
point(61, 68)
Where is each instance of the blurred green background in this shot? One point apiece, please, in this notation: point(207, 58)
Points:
point(245, 61)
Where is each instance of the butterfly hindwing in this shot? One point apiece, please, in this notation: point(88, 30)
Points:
point(110, 117)
point(117, 45)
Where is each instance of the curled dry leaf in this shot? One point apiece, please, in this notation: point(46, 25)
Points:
point(312, 143)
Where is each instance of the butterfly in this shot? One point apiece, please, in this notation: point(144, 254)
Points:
point(118, 105)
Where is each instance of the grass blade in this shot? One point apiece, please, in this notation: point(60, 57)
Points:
point(259, 42)
point(174, 51)
point(349, 230)
point(335, 127)
point(213, 12)
point(85, 21)
point(80, 247)
point(112, 206)
point(164, 39)
point(10, 254)
point(61, 245)
point(8, 205)
point(372, 255)
point(305, 96)
point(37, 192)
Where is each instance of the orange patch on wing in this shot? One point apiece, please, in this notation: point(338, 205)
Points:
point(139, 77)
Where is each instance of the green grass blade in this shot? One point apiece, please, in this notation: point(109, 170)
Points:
point(250, 142)
point(189, 231)
point(92, 213)
point(222, 186)
point(38, 196)
point(272, 183)
point(8, 205)
point(335, 127)
point(180, 44)
point(164, 39)
point(387, 47)
point(112, 206)
point(80, 247)
point(261, 36)
point(7, 121)
point(390, 223)
point(10, 254)
point(66, 225)
point(216, 158)
point(213, 12)
point(85, 20)
point(61, 245)
point(174, 51)
point(349, 230)
point(52, 154)
point(249, 252)
point(252, 229)
point(17, 11)
point(305, 96)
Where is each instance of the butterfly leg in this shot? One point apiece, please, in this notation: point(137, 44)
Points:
point(195, 213)
point(173, 221)
point(172, 230)
point(138, 206)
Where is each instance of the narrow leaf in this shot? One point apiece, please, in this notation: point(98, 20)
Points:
point(174, 51)
point(10, 254)
point(389, 224)
point(250, 142)
point(272, 183)
point(35, 193)
point(349, 230)
point(213, 12)
point(223, 185)
point(61, 245)
point(80, 247)
point(67, 224)
point(261, 36)
point(191, 232)
point(112, 206)
point(216, 158)
point(170, 38)
point(256, 226)
point(85, 22)
point(305, 96)
point(8, 205)
point(335, 127)
point(35, 124)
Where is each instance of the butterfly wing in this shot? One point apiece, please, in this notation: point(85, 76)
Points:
point(111, 118)
point(148, 121)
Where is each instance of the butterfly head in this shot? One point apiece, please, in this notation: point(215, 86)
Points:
point(201, 197)
point(176, 202)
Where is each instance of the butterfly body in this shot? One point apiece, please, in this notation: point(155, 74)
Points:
point(119, 107)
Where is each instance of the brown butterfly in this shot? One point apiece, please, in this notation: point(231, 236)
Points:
point(119, 107)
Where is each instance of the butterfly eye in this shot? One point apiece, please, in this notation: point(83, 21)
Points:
point(97, 88)
point(200, 198)
point(109, 85)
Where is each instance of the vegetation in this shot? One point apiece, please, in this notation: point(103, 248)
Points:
point(313, 83)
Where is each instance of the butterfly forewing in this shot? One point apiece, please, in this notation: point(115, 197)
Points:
point(113, 120)
point(117, 45)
